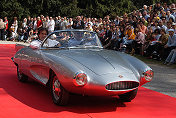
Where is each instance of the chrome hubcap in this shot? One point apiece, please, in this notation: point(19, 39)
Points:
point(56, 88)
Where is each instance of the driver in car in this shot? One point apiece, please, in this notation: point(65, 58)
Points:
point(42, 33)
point(75, 39)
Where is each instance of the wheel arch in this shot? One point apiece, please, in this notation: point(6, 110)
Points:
point(51, 75)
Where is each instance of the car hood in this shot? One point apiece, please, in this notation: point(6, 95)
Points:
point(99, 61)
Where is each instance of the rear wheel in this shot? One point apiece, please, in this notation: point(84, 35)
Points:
point(127, 97)
point(21, 76)
point(59, 95)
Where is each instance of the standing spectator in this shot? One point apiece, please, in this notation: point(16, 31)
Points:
point(78, 23)
point(117, 21)
point(39, 22)
point(24, 24)
point(63, 24)
point(100, 22)
point(30, 24)
point(7, 23)
point(35, 23)
point(57, 23)
point(107, 39)
point(89, 21)
point(115, 38)
point(45, 23)
point(70, 23)
point(2, 29)
point(15, 24)
point(51, 25)
point(28, 20)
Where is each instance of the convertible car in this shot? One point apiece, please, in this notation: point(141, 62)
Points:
point(80, 65)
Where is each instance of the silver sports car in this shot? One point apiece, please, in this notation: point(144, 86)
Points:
point(80, 65)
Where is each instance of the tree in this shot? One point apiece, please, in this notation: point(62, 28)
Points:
point(71, 8)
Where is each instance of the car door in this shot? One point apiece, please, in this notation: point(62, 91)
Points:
point(34, 66)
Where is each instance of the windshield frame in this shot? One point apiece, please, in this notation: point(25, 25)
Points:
point(99, 45)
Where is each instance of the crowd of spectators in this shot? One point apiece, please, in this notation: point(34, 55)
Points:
point(150, 32)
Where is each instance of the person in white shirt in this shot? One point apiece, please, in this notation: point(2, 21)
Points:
point(42, 33)
point(51, 25)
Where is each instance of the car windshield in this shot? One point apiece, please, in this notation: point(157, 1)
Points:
point(72, 39)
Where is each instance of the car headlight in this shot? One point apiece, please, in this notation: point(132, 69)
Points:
point(148, 75)
point(80, 79)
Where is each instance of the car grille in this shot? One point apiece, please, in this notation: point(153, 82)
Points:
point(122, 85)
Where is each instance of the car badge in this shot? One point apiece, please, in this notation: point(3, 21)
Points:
point(120, 76)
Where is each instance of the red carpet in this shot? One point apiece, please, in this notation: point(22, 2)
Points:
point(32, 100)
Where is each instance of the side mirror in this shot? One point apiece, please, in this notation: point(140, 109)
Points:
point(35, 45)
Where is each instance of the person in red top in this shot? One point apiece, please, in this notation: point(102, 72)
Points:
point(6, 22)
point(5, 30)
point(39, 22)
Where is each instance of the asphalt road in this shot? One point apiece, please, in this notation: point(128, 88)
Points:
point(164, 80)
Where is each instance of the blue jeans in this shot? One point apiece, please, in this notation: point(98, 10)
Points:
point(172, 56)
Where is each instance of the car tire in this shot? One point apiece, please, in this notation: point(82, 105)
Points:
point(127, 97)
point(59, 95)
point(21, 76)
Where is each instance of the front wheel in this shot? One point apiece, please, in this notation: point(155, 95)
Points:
point(127, 97)
point(21, 76)
point(59, 95)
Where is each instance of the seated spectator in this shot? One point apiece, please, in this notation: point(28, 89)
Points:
point(142, 28)
point(169, 26)
point(130, 35)
point(171, 44)
point(138, 42)
point(12, 33)
point(159, 46)
point(150, 47)
point(171, 58)
point(20, 35)
point(169, 16)
point(161, 26)
point(155, 26)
